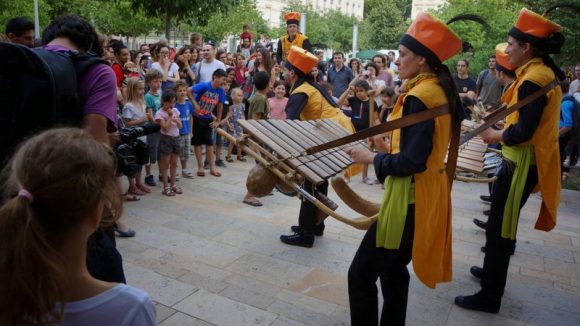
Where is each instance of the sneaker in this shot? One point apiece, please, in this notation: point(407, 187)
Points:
point(205, 165)
point(220, 163)
point(150, 181)
point(566, 162)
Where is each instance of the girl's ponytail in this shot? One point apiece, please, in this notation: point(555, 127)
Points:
point(30, 268)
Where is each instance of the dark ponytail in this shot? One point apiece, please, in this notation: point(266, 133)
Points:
point(448, 84)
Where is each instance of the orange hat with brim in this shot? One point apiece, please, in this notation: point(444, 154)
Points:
point(501, 58)
point(292, 18)
point(431, 38)
point(533, 28)
point(301, 59)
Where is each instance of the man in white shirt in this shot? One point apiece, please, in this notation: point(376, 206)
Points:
point(576, 82)
point(209, 64)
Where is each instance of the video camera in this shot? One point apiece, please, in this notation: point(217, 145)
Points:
point(132, 153)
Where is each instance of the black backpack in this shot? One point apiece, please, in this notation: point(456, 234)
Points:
point(38, 91)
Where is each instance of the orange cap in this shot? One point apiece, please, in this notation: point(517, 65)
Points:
point(302, 59)
point(536, 25)
point(501, 58)
point(292, 18)
point(434, 35)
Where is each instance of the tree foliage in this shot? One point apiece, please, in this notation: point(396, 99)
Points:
point(176, 11)
point(10, 9)
point(383, 25)
point(221, 23)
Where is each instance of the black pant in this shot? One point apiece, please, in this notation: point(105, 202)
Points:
point(497, 252)
point(390, 266)
point(307, 216)
point(563, 142)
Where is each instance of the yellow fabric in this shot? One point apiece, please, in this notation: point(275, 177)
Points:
point(286, 44)
point(432, 237)
point(544, 140)
point(318, 107)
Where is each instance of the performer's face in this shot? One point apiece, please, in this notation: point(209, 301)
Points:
point(408, 62)
point(518, 52)
point(292, 29)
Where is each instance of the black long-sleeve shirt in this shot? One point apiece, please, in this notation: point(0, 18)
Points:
point(295, 105)
point(530, 116)
point(415, 146)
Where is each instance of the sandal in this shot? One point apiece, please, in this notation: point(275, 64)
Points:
point(168, 192)
point(255, 203)
point(241, 159)
point(368, 181)
point(129, 197)
point(143, 188)
point(177, 190)
point(187, 174)
point(229, 159)
point(215, 174)
point(200, 173)
point(136, 191)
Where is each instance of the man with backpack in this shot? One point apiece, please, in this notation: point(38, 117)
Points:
point(64, 83)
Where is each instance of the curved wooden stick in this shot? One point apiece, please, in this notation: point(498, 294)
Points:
point(361, 223)
point(478, 180)
point(352, 199)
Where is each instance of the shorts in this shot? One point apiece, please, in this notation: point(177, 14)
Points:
point(202, 135)
point(185, 142)
point(153, 144)
point(169, 145)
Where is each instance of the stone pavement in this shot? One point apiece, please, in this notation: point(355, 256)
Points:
point(206, 258)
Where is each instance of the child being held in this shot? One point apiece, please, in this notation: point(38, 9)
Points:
point(169, 144)
point(278, 102)
point(236, 113)
point(45, 223)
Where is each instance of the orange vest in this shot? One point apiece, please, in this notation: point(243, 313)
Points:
point(432, 238)
point(286, 44)
point(318, 107)
point(545, 138)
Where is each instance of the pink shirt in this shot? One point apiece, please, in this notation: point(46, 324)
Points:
point(173, 128)
point(278, 108)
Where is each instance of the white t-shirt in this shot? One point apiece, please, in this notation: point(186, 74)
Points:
point(173, 71)
point(205, 70)
point(122, 305)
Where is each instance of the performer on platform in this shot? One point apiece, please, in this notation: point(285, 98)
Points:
point(293, 37)
point(414, 220)
point(530, 149)
point(308, 101)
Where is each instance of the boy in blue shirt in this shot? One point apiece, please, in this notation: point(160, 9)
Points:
point(153, 79)
point(185, 109)
point(205, 97)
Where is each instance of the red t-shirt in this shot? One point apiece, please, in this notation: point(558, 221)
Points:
point(119, 74)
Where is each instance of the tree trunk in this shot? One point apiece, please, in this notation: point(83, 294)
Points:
point(167, 26)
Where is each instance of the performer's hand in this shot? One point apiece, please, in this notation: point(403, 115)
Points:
point(361, 155)
point(381, 143)
point(491, 136)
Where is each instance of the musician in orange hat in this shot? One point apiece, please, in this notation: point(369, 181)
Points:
point(308, 101)
point(293, 37)
point(414, 221)
point(530, 150)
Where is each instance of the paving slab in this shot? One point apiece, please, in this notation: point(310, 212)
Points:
point(206, 258)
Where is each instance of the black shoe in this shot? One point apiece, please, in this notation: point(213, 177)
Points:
point(485, 198)
point(150, 181)
point(480, 223)
point(487, 212)
point(512, 251)
point(298, 239)
point(476, 271)
point(220, 163)
point(477, 302)
point(297, 229)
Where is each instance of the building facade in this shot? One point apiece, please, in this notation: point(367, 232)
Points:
point(425, 5)
point(272, 9)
